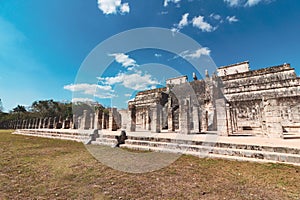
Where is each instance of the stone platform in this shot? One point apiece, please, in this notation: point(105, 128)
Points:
point(241, 148)
point(64, 134)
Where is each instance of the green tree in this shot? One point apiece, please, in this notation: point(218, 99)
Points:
point(19, 109)
point(50, 108)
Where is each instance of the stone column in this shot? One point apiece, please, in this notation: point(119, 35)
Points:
point(84, 124)
point(55, 122)
point(75, 122)
point(97, 124)
point(37, 123)
point(148, 126)
point(29, 124)
point(91, 121)
point(33, 123)
point(222, 127)
point(23, 124)
point(40, 123)
point(63, 126)
point(111, 119)
point(79, 119)
point(184, 117)
point(156, 117)
point(171, 127)
point(49, 125)
point(273, 119)
point(45, 122)
point(103, 121)
point(132, 118)
point(229, 119)
point(195, 120)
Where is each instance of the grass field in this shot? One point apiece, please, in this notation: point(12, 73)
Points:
point(38, 168)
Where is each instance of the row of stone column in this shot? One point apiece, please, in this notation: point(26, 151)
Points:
point(39, 123)
point(99, 120)
point(154, 118)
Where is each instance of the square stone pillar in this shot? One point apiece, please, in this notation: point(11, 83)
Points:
point(74, 124)
point(155, 119)
point(84, 121)
point(113, 120)
point(273, 119)
point(222, 127)
point(63, 126)
point(45, 122)
point(184, 117)
point(229, 119)
point(148, 126)
point(171, 127)
point(40, 123)
point(195, 120)
point(91, 121)
point(132, 118)
point(97, 120)
point(55, 121)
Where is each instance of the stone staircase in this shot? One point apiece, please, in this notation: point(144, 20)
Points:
point(108, 140)
point(291, 132)
point(225, 149)
point(232, 151)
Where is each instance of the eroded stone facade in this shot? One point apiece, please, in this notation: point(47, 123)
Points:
point(235, 101)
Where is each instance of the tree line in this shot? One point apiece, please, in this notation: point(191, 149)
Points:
point(38, 109)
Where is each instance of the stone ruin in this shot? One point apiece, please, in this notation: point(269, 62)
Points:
point(233, 101)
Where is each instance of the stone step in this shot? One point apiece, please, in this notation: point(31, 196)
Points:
point(105, 141)
point(54, 135)
point(291, 135)
point(216, 144)
point(216, 150)
point(252, 156)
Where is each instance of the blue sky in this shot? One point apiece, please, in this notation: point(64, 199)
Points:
point(44, 43)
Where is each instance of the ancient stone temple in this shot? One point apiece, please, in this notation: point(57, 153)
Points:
point(233, 101)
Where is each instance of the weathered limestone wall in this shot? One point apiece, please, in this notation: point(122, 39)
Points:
point(262, 100)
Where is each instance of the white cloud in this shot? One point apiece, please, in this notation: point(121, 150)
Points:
point(245, 3)
point(202, 25)
point(136, 81)
point(101, 91)
point(174, 30)
point(184, 21)
point(124, 60)
point(233, 3)
point(252, 2)
point(166, 2)
point(127, 95)
point(195, 54)
point(82, 100)
point(124, 8)
point(164, 12)
point(113, 6)
point(215, 16)
point(232, 19)
point(157, 55)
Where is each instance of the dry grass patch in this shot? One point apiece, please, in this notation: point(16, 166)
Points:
point(38, 168)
